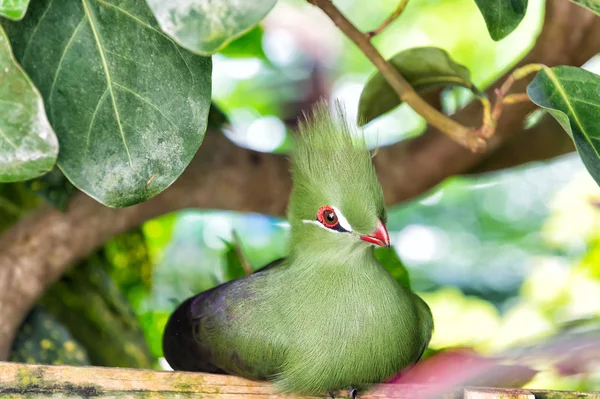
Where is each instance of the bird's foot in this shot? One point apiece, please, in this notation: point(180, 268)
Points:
point(353, 393)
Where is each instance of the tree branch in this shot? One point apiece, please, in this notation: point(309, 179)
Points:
point(461, 134)
point(38, 249)
point(525, 147)
point(40, 381)
point(399, 9)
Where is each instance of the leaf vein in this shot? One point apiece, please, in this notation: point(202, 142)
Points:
point(565, 97)
point(108, 78)
point(34, 32)
point(8, 140)
point(62, 57)
point(144, 99)
point(87, 138)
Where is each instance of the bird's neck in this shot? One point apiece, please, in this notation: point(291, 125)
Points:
point(325, 254)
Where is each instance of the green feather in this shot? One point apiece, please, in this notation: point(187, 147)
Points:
point(329, 316)
point(332, 166)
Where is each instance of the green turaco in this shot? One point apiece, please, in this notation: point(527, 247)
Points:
point(328, 316)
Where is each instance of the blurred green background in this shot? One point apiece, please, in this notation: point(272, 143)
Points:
point(498, 257)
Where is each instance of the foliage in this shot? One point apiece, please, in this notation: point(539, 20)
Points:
point(205, 27)
point(502, 17)
point(571, 96)
point(94, 310)
point(123, 139)
point(13, 9)
point(28, 146)
point(43, 340)
point(423, 67)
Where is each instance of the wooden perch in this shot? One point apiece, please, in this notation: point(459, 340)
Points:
point(33, 381)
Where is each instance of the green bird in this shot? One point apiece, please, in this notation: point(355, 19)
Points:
point(328, 316)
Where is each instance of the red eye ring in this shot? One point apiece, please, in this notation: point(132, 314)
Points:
point(327, 217)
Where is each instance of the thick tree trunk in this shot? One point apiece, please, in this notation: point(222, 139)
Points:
point(36, 251)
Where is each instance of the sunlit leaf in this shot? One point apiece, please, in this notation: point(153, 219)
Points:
point(28, 146)
point(13, 9)
point(205, 26)
point(388, 257)
point(423, 67)
point(502, 16)
point(129, 265)
point(128, 105)
point(236, 265)
point(592, 5)
point(248, 45)
point(571, 96)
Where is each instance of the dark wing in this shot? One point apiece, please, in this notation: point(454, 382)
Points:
point(270, 265)
point(182, 347)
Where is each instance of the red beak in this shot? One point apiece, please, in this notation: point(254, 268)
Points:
point(379, 237)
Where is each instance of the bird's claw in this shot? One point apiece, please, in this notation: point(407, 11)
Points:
point(352, 392)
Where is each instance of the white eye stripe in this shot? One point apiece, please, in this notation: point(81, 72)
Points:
point(343, 221)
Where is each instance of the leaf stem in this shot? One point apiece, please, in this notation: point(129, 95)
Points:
point(399, 9)
point(240, 253)
point(491, 115)
point(463, 135)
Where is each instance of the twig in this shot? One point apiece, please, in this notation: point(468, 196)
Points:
point(463, 135)
point(516, 98)
point(492, 114)
point(389, 19)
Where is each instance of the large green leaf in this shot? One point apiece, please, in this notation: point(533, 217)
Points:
point(592, 5)
point(206, 26)
point(28, 146)
point(13, 9)
point(572, 96)
point(502, 16)
point(423, 67)
point(128, 105)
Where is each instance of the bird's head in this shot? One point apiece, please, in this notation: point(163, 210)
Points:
point(336, 203)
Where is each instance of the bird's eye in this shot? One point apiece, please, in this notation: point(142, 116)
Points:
point(327, 217)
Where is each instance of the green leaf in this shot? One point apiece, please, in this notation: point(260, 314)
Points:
point(236, 265)
point(592, 5)
point(128, 105)
point(206, 26)
point(390, 260)
point(571, 95)
point(247, 46)
point(95, 311)
point(41, 339)
point(13, 9)
point(502, 16)
point(423, 67)
point(28, 146)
